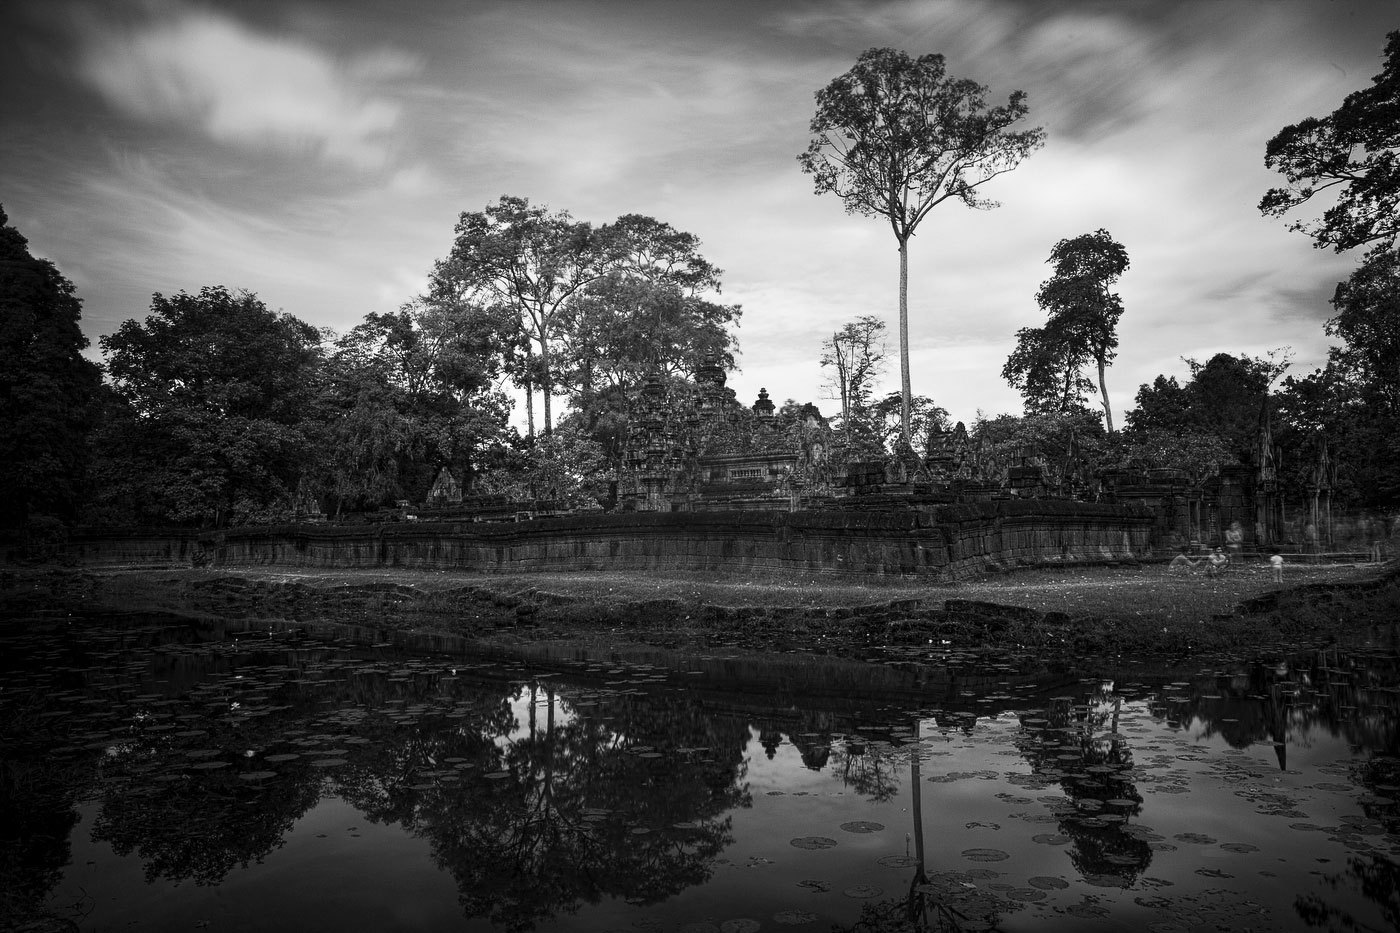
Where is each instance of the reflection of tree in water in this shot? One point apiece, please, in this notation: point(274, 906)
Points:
point(1376, 876)
point(624, 798)
point(1078, 746)
point(37, 816)
point(201, 829)
point(536, 799)
point(1347, 693)
point(869, 765)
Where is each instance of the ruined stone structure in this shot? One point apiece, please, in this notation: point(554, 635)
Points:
point(694, 448)
point(941, 543)
point(701, 450)
point(444, 492)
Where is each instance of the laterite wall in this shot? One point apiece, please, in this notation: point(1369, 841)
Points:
point(944, 542)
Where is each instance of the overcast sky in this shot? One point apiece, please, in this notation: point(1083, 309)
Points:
point(319, 153)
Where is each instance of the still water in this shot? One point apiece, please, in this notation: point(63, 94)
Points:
point(159, 775)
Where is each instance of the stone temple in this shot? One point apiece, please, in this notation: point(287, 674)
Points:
point(702, 450)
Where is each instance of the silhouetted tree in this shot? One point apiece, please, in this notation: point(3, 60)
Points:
point(896, 136)
point(47, 387)
point(1352, 153)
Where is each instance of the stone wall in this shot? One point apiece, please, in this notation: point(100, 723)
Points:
point(943, 542)
point(120, 547)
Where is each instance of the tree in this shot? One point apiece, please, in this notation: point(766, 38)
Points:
point(1073, 439)
point(896, 136)
point(411, 392)
point(1354, 401)
point(533, 262)
point(887, 414)
point(47, 387)
point(1046, 367)
point(653, 310)
point(1353, 152)
point(221, 396)
point(1368, 322)
point(856, 354)
point(1077, 298)
point(1225, 397)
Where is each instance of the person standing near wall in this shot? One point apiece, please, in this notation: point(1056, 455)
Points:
point(1234, 541)
point(1276, 565)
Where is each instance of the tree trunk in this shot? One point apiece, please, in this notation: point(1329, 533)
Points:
point(905, 394)
point(1103, 392)
point(546, 385)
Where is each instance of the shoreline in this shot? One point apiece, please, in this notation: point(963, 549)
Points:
point(1133, 610)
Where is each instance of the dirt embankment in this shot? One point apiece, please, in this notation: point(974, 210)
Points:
point(1133, 610)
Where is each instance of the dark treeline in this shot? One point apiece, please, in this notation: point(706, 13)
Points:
point(215, 410)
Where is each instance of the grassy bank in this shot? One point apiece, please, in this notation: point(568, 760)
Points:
point(1118, 610)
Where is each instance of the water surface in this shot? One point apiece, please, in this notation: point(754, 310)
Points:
point(164, 776)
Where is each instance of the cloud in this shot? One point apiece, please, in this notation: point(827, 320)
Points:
point(248, 88)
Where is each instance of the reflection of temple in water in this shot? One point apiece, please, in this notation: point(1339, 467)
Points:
point(1342, 692)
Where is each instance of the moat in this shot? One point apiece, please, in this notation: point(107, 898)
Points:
point(163, 774)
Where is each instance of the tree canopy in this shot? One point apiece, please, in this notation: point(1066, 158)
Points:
point(1352, 153)
point(896, 136)
point(855, 356)
point(47, 387)
point(1077, 297)
point(595, 306)
point(1226, 396)
point(219, 392)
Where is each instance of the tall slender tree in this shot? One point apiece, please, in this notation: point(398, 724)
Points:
point(896, 136)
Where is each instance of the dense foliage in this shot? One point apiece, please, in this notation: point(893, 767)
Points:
point(217, 410)
point(1081, 327)
point(47, 388)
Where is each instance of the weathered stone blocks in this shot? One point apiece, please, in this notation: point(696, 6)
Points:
point(943, 543)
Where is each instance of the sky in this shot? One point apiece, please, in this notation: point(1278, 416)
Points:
point(319, 152)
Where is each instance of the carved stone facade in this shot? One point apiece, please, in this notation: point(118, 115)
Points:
point(698, 449)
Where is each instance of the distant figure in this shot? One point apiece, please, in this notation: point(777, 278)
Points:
point(1216, 562)
point(1234, 540)
point(1276, 564)
point(1181, 564)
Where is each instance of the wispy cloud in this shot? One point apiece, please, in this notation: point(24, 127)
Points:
point(210, 72)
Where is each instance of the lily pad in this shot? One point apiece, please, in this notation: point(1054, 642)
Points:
point(740, 925)
point(897, 861)
point(1239, 847)
point(862, 891)
point(985, 855)
point(862, 826)
point(1050, 839)
point(813, 842)
point(792, 918)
